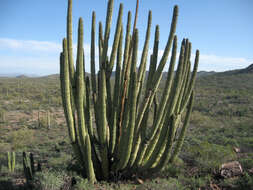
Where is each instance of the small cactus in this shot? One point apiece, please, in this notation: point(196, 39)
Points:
point(48, 120)
point(2, 116)
point(11, 161)
point(28, 166)
point(38, 119)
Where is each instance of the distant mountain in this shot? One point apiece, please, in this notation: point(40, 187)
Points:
point(53, 76)
point(233, 81)
point(248, 69)
point(9, 74)
point(199, 74)
point(205, 73)
point(17, 75)
point(22, 76)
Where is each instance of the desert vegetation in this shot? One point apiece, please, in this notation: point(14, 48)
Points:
point(128, 128)
point(220, 122)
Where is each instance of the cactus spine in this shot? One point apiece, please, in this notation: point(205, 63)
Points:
point(122, 140)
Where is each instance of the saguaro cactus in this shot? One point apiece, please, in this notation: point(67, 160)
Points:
point(121, 140)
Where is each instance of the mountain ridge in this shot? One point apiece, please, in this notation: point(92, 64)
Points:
point(248, 69)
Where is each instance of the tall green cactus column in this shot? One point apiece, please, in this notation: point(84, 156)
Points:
point(108, 124)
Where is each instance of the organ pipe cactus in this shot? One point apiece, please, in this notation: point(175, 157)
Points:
point(108, 122)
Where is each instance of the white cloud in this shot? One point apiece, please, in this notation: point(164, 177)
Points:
point(42, 57)
point(29, 45)
point(222, 63)
point(39, 57)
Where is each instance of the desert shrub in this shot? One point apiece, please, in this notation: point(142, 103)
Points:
point(4, 147)
point(43, 122)
point(2, 161)
point(60, 162)
point(247, 163)
point(49, 180)
point(21, 138)
point(245, 182)
point(173, 171)
point(193, 183)
point(162, 184)
point(82, 184)
point(209, 157)
point(199, 119)
point(2, 115)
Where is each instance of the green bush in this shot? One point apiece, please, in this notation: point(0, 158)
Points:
point(247, 163)
point(208, 157)
point(162, 184)
point(21, 138)
point(245, 182)
point(82, 184)
point(194, 182)
point(49, 180)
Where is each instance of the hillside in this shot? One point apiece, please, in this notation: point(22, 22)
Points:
point(249, 69)
point(221, 121)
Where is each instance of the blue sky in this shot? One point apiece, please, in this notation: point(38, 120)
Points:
point(31, 30)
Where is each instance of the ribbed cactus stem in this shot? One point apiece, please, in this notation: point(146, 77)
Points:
point(9, 161)
point(180, 140)
point(167, 89)
point(107, 31)
point(158, 74)
point(142, 68)
point(69, 42)
point(127, 47)
point(92, 57)
point(32, 163)
point(125, 75)
point(88, 114)
point(192, 81)
point(27, 168)
point(115, 109)
point(162, 105)
point(185, 74)
point(128, 138)
point(66, 95)
point(80, 84)
point(154, 56)
point(100, 44)
point(171, 131)
point(116, 39)
point(13, 163)
point(154, 149)
point(140, 81)
point(103, 125)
